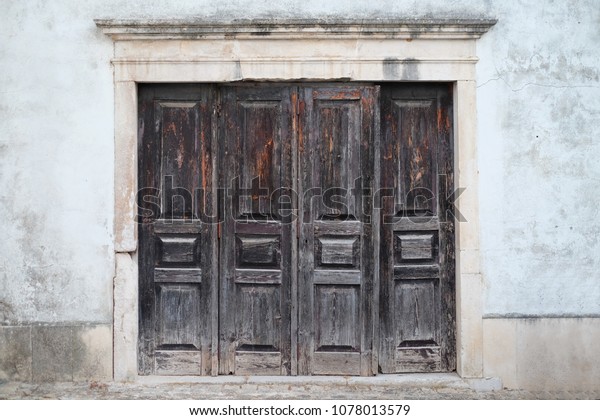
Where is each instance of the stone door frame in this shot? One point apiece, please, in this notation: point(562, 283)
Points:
point(198, 51)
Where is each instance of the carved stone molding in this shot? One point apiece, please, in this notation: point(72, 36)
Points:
point(128, 29)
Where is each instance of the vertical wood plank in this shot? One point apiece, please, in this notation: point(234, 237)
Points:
point(214, 226)
point(336, 157)
point(417, 293)
point(256, 240)
point(177, 263)
point(306, 241)
point(388, 184)
point(148, 152)
point(295, 215)
point(228, 140)
point(376, 228)
point(447, 229)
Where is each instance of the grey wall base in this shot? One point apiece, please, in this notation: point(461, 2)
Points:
point(48, 353)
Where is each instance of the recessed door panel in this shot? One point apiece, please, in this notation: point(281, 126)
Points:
point(256, 240)
point(177, 241)
point(335, 283)
point(417, 231)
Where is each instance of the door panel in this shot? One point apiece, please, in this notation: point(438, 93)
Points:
point(256, 241)
point(335, 282)
point(417, 231)
point(177, 243)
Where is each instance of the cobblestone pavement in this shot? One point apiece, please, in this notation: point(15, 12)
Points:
point(246, 391)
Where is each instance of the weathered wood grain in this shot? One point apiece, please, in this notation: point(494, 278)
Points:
point(338, 251)
point(414, 271)
point(416, 289)
point(258, 250)
point(337, 159)
point(177, 275)
point(176, 257)
point(418, 359)
point(178, 249)
point(416, 246)
point(337, 277)
point(178, 362)
point(244, 275)
point(348, 288)
point(259, 363)
point(336, 363)
point(256, 245)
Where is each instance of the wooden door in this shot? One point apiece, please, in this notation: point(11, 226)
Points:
point(177, 236)
point(337, 142)
point(262, 247)
point(417, 292)
point(257, 239)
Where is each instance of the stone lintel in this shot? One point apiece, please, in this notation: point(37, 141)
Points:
point(129, 29)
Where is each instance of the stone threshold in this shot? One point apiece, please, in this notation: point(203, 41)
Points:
point(401, 381)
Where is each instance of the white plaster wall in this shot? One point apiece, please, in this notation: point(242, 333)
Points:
point(56, 170)
point(538, 108)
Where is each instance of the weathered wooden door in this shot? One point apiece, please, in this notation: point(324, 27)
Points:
point(262, 246)
point(337, 143)
point(417, 231)
point(177, 233)
point(257, 242)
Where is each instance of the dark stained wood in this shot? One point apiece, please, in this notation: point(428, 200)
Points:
point(264, 227)
point(417, 292)
point(414, 271)
point(177, 316)
point(413, 223)
point(244, 275)
point(237, 284)
point(347, 277)
point(343, 228)
point(336, 309)
point(175, 249)
point(258, 250)
point(295, 232)
point(176, 245)
point(418, 359)
point(447, 255)
point(256, 239)
point(335, 363)
point(265, 362)
point(337, 251)
point(177, 275)
point(335, 284)
point(415, 302)
point(416, 246)
point(175, 362)
point(376, 230)
point(191, 227)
